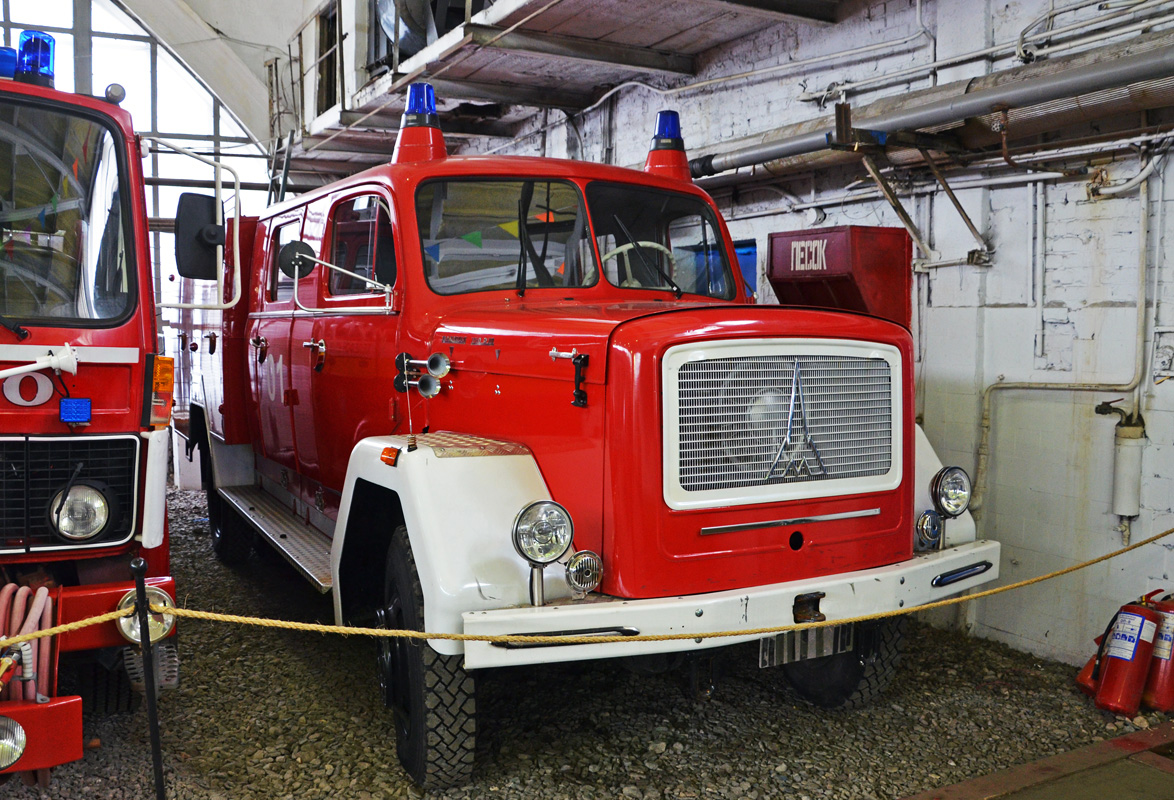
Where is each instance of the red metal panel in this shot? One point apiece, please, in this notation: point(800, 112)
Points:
point(53, 731)
point(854, 268)
point(82, 602)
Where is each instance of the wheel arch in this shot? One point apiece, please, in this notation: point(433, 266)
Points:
point(376, 511)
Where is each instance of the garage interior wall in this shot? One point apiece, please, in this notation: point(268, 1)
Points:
point(1057, 304)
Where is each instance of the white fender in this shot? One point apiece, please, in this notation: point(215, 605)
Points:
point(958, 530)
point(460, 495)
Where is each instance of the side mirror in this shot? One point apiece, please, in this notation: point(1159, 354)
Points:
point(295, 259)
point(197, 236)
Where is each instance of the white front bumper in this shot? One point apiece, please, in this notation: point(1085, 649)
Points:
point(851, 594)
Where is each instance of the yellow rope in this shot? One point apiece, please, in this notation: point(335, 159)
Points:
point(515, 639)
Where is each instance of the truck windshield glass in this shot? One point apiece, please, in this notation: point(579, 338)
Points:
point(649, 239)
point(481, 235)
point(64, 256)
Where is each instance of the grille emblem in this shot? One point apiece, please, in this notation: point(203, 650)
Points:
point(797, 443)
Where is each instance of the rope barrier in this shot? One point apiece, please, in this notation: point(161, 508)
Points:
point(311, 627)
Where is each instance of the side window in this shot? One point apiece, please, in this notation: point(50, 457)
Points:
point(281, 286)
point(361, 242)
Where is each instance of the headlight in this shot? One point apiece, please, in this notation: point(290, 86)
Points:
point(82, 516)
point(584, 571)
point(950, 490)
point(159, 624)
point(12, 742)
point(929, 531)
point(543, 532)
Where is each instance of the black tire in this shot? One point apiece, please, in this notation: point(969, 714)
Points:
point(856, 678)
point(106, 690)
point(431, 695)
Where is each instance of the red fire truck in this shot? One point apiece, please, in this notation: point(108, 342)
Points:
point(84, 415)
point(505, 395)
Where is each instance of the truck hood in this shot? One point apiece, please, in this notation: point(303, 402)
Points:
point(518, 337)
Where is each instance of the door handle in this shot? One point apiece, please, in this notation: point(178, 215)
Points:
point(319, 347)
point(262, 345)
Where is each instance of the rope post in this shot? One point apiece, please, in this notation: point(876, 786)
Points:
point(138, 568)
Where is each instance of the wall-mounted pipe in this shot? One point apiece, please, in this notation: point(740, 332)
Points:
point(980, 480)
point(1046, 88)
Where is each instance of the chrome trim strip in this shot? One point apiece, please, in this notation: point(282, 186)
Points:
point(782, 523)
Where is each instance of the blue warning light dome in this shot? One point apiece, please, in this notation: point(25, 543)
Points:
point(421, 99)
point(34, 62)
point(8, 62)
point(668, 125)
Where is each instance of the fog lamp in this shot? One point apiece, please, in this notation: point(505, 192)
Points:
point(158, 624)
point(543, 532)
point(12, 742)
point(950, 490)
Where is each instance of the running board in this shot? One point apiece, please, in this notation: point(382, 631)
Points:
point(302, 546)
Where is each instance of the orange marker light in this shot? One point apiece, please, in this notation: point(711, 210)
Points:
point(389, 456)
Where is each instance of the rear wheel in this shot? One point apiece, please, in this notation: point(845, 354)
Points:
point(431, 695)
point(856, 678)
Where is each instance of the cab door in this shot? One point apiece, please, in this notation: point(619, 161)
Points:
point(350, 364)
point(269, 332)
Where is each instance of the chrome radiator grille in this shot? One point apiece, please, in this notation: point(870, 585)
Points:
point(761, 420)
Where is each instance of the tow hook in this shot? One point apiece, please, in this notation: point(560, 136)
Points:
point(807, 608)
point(702, 680)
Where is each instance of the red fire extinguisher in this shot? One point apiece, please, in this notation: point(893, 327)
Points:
point(1084, 679)
point(1159, 686)
point(1123, 661)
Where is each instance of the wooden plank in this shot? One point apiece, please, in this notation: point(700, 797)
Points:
point(577, 48)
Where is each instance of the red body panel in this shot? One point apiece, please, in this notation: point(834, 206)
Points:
point(54, 732)
point(603, 461)
point(852, 267)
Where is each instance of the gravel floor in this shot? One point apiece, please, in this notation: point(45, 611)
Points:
point(272, 714)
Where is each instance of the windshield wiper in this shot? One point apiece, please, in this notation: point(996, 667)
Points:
point(21, 333)
point(651, 265)
point(520, 279)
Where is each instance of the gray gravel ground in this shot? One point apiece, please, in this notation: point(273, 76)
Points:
point(272, 714)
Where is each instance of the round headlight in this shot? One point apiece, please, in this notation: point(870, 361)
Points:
point(950, 490)
point(12, 742)
point(158, 624)
point(929, 531)
point(584, 571)
point(543, 532)
point(82, 516)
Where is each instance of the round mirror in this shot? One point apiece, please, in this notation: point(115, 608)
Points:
point(293, 259)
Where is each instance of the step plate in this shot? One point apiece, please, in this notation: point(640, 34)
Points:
point(303, 547)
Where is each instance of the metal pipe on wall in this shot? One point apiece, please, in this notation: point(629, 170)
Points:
point(1071, 82)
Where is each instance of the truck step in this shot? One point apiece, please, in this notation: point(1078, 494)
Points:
point(303, 547)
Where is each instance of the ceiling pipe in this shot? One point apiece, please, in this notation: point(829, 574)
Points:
point(1109, 74)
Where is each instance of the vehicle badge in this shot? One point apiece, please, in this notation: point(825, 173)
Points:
point(797, 448)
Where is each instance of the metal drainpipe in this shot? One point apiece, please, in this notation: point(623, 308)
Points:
point(1157, 63)
point(976, 503)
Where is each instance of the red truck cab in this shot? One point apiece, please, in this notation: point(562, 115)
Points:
point(83, 416)
point(503, 395)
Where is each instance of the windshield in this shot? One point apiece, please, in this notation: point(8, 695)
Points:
point(650, 239)
point(479, 235)
point(63, 247)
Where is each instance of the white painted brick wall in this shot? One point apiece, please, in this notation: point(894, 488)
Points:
point(1050, 482)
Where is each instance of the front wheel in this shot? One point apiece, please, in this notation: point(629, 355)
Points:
point(431, 695)
point(856, 678)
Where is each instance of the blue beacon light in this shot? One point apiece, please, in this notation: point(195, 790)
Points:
point(668, 125)
point(76, 410)
point(421, 99)
point(34, 61)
